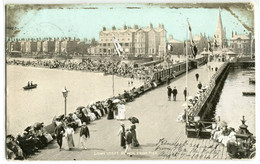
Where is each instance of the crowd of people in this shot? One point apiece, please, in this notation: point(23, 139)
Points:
point(106, 66)
point(29, 142)
point(36, 137)
point(113, 108)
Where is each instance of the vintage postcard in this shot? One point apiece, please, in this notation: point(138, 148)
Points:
point(164, 81)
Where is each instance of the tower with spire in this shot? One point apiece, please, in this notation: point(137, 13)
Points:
point(220, 34)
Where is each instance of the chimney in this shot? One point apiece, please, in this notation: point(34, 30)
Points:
point(135, 27)
point(124, 27)
point(113, 28)
point(232, 33)
point(162, 25)
point(151, 25)
point(103, 28)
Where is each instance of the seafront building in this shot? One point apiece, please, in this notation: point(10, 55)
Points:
point(47, 45)
point(136, 41)
point(242, 44)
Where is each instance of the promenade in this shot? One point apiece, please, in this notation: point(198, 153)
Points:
point(159, 134)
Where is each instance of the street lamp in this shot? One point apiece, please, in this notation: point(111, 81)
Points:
point(65, 95)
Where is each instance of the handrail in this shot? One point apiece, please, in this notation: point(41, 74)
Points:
point(193, 111)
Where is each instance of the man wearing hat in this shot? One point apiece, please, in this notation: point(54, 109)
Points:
point(59, 131)
point(84, 134)
point(174, 92)
point(169, 92)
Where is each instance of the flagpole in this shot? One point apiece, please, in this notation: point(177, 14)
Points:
point(208, 57)
point(187, 67)
point(113, 83)
point(187, 64)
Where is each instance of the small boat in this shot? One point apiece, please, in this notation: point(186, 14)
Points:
point(30, 87)
point(248, 93)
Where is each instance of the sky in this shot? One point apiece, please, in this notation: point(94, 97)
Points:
point(87, 23)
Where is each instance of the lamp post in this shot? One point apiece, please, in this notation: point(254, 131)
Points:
point(65, 95)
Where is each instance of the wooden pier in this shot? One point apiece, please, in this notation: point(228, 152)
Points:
point(159, 133)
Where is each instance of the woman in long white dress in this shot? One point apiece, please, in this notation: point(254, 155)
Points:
point(69, 136)
point(121, 111)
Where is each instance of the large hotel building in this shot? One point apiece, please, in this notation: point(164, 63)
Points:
point(134, 41)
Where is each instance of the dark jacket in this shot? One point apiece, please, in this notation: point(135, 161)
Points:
point(129, 137)
point(169, 91)
point(84, 131)
point(185, 92)
point(199, 85)
point(58, 130)
point(174, 92)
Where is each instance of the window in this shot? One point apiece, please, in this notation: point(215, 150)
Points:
point(108, 44)
point(104, 44)
point(104, 50)
point(126, 44)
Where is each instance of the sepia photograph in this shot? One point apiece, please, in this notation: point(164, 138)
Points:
point(130, 81)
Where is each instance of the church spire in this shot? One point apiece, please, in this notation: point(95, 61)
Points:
point(220, 32)
point(219, 26)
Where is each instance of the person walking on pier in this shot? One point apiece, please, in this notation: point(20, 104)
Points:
point(169, 92)
point(69, 135)
point(121, 132)
point(135, 142)
point(84, 134)
point(199, 85)
point(174, 92)
point(185, 93)
point(59, 131)
point(197, 76)
point(128, 139)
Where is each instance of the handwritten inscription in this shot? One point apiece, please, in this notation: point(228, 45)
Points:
point(186, 150)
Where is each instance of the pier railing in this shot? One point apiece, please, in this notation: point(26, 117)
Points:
point(177, 69)
point(195, 110)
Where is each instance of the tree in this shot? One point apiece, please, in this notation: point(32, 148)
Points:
point(93, 42)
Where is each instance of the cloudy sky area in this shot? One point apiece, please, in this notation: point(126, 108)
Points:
point(87, 23)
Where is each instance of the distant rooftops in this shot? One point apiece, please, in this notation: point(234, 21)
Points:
point(243, 37)
point(134, 29)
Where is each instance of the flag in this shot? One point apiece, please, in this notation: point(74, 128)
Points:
point(194, 50)
point(118, 47)
point(210, 48)
point(193, 47)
